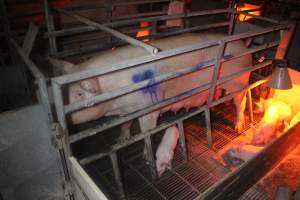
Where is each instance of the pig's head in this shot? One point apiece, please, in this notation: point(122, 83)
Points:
point(162, 167)
point(80, 91)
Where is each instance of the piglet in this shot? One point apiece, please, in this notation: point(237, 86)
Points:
point(244, 152)
point(276, 117)
point(165, 150)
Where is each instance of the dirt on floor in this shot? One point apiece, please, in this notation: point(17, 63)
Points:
point(286, 173)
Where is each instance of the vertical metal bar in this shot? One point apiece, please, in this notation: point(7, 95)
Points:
point(43, 91)
point(231, 25)
point(150, 157)
point(249, 103)
point(153, 30)
point(59, 106)
point(50, 28)
point(208, 127)
point(216, 72)
point(117, 174)
point(182, 139)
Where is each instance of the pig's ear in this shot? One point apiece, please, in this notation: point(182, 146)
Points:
point(63, 66)
point(90, 85)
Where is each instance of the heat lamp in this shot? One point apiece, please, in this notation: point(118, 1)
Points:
point(280, 78)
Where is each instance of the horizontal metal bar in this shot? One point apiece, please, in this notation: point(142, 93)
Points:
point(29, 64)
point(139, 2)
point(131, 88)
point(138, 137)
point(191, 29)
point(69, 78)
point(114, 24)
point(120, 120)
point(115, 33)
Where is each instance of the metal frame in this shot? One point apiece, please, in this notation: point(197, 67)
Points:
point(62, 110)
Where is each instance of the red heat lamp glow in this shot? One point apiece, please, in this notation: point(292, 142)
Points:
point(143, 33)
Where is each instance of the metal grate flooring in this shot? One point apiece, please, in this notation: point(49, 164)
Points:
point(186, 180)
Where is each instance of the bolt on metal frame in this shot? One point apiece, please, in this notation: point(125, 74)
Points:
point(62, 110)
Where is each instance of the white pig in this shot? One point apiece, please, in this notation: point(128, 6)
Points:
point(157, 92)
point(165, 150)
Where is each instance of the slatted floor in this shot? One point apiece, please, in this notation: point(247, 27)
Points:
point(186, 180)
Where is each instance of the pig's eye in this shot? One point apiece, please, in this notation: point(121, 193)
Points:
point(80, 94)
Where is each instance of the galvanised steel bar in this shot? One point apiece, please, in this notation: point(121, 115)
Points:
point(182, 139)
point(137, 138)
point(231, 25)
point(120, 120)
point(115, 33)
point(191, 29)
point(117, 173)
point(115, 24)
point(215, 76)
point(30, 38)
point(69, 78)
point(30, 65)
point(150, 157)
point(50, 28)
point(134, 87)
point(208, 126)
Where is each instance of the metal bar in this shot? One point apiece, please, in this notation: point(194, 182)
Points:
point(182, 139)
point(208, 126)
point(31, 66)
point(115, 33)
point(231, 25)
point(134, 87)
point(50, 28)
point(136, 138)
point(117, 174)
point(70, 31)
point(164, 54)
point(139, 2)
point(150, 156)
point(30, 38)
point(215, 75)
point(166, 102)
point(45, 99)
point(85, 182)
point(191, 29)
point(249, 103)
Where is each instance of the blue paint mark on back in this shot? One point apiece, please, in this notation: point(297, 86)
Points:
point(152, 87)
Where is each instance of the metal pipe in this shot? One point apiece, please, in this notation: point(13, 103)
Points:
point(150, 157)
point(50, 28)
point(115, 33)
point(75, 30)
point(216, 70)
point(117, 174)
point(31, 66)
point(208, 126)
point(231, 25)
point(164, 54)
point(249, 103)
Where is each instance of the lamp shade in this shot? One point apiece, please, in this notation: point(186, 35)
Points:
point(280, 78)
